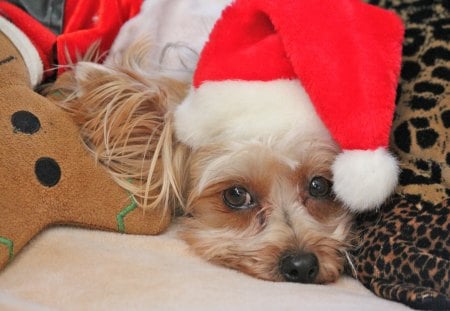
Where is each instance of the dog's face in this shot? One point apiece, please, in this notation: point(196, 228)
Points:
point(267, 209)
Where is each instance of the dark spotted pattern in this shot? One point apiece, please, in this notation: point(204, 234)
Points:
point(404, 251)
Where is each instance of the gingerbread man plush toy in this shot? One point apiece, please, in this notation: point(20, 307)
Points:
point(46, 175)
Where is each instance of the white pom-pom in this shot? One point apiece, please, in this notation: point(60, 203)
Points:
point(363, 179)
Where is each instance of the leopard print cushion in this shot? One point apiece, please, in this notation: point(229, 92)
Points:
point(404, 251)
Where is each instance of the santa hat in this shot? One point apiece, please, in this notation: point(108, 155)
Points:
point(310, 66)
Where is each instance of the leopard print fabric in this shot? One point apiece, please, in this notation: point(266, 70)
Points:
point(404, 251)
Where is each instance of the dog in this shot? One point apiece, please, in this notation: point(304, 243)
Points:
point(265, 205)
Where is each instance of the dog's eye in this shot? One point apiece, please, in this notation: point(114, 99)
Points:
point(237, 198)
point(319, 187)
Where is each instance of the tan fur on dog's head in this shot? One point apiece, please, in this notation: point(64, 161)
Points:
point(252, 206)
point(282, 218)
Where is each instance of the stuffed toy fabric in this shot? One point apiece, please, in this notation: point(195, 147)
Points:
point(405, 250)
point(47, 176)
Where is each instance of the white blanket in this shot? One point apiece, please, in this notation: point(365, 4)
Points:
point(77, 269)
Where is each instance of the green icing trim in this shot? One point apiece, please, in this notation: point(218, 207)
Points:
point(10, 245)
point(56, 92)
point(123, 213)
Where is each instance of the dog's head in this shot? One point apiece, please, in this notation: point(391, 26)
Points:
point(260, 196)
point(267, 208)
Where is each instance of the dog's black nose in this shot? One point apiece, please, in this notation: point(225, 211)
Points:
point(300, 267)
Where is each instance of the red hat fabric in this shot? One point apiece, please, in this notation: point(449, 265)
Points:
point(340, 57)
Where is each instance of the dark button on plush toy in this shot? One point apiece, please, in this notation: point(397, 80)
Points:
point(25, 122)
point(47, 171)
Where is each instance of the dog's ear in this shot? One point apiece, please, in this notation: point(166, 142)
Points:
point(125, 121)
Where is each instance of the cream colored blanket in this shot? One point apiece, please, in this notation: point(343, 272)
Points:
point(77, 269)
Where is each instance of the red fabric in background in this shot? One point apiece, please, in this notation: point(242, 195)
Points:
point(85, 22)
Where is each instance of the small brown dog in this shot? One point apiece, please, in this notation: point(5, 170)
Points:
point(257, 186)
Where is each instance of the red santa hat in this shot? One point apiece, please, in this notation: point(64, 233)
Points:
point(313, 67)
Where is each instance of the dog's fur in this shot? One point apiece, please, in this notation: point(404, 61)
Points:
point(126, 120)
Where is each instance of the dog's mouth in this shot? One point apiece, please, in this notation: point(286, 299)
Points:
point(303, 268)
point(320, 262)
